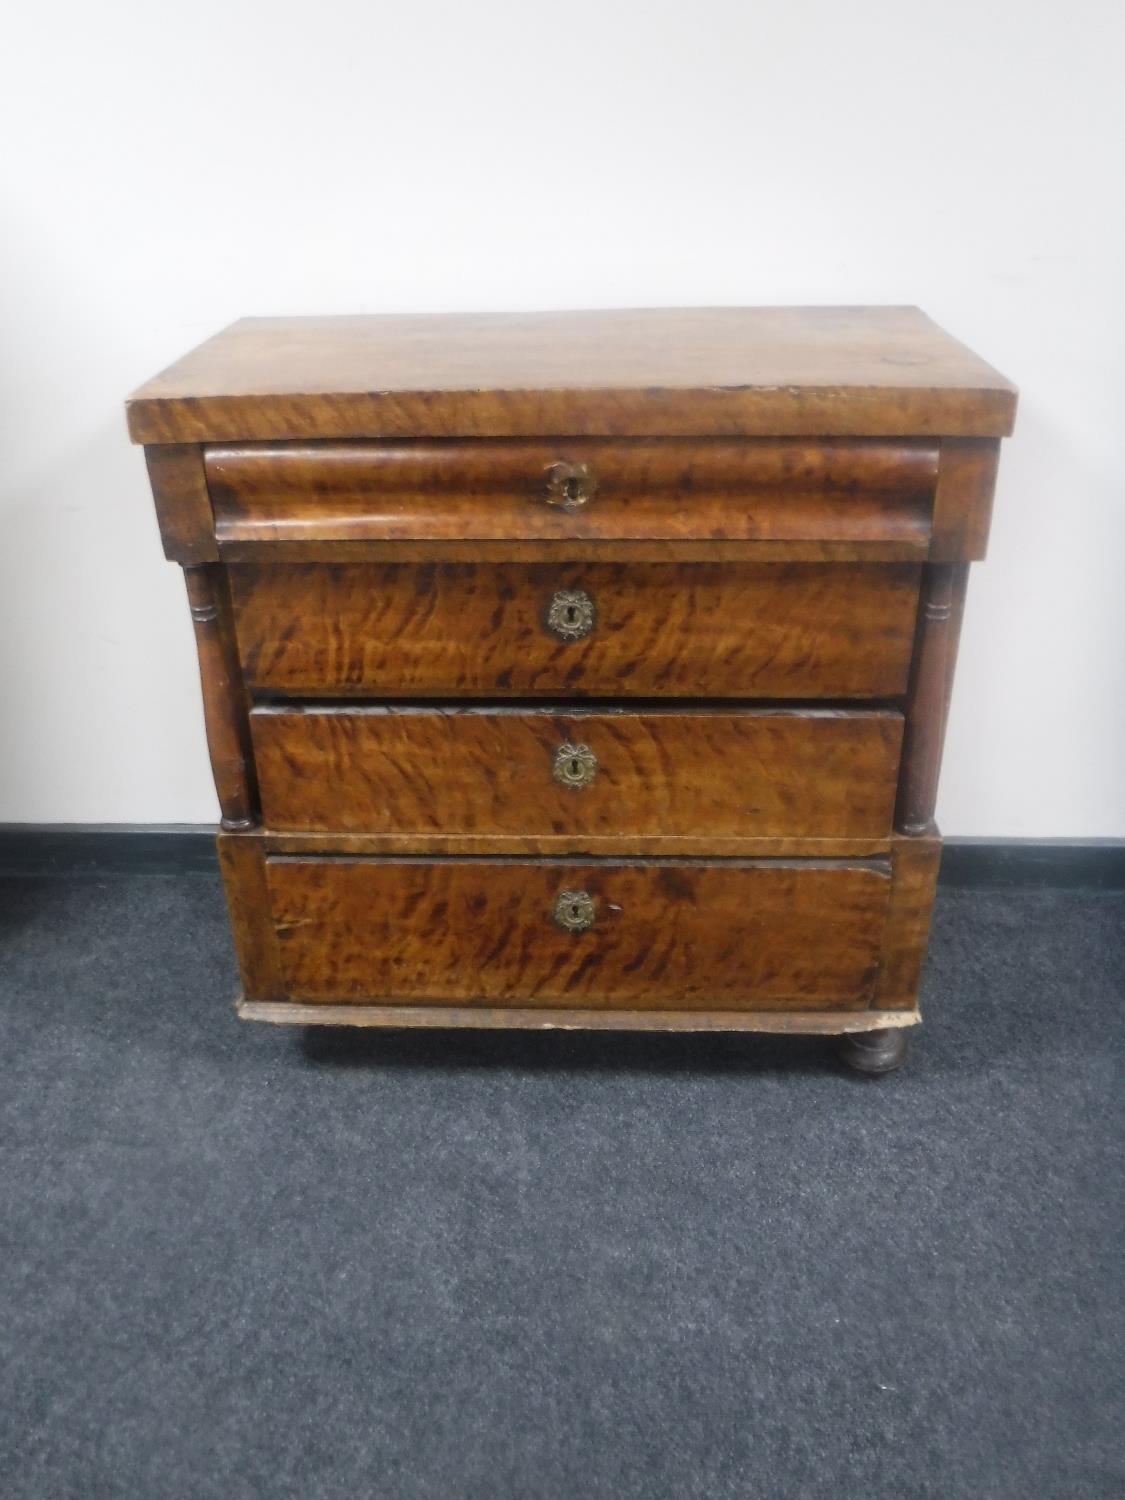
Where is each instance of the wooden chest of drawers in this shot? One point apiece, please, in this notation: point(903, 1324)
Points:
point(579, 669)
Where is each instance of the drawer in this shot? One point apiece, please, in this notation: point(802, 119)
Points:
point(658, 934)
point(553, 774)
point(875, 497)
point(721, 630)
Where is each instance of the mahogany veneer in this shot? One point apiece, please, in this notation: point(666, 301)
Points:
point(579, 669)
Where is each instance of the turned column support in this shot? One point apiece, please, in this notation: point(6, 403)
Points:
point(224, 703)
point(940, 610)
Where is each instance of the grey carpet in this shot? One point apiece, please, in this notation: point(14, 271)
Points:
point(242, 1261)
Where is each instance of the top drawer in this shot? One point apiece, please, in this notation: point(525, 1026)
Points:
point(844, 499)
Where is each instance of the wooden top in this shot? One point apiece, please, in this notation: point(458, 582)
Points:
point(786, 371)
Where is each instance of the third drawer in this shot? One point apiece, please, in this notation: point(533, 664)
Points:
point(576, 776)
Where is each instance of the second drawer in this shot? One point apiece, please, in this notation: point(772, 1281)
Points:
point(575, 630)
point(527, 773)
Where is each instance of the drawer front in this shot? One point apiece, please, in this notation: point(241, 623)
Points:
point(734, 935)
point(601, 774)
point(774, 630)
point(865, 494)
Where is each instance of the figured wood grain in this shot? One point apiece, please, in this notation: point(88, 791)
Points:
point(658, 774)
point(914, 870)
point(183, 504)
point(940, 612)
point(963, 504)
point(668, 550)
point(524, 1018)
point(699, 630)
point(482, 932)
point(827, 493)
point(558, 844)
point(865, 372)
point(224, 701)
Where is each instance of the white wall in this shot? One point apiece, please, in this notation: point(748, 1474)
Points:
point(167, 169)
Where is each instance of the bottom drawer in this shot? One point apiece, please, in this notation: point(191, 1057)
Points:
point(652, 934)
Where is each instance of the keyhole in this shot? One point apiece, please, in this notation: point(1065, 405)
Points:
point(575, 768)
point(573, 488)
point(571, 614)
point(575, 911)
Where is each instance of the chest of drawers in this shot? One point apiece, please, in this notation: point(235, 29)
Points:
point(580, 670)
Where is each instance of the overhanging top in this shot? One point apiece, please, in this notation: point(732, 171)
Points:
point(684, 372)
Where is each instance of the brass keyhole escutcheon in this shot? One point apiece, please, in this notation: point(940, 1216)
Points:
point(569, 485)
point(575, 765)
point(571, 614)
point(575, 910)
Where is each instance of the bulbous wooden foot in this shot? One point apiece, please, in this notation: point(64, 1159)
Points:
point(875, 1051)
